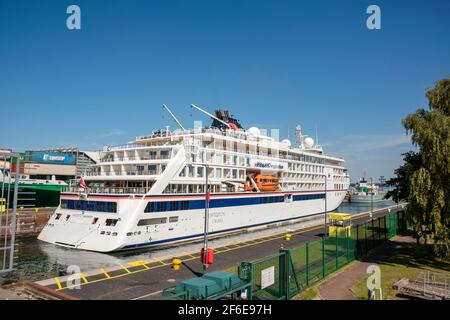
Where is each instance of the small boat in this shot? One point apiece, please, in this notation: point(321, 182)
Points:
point(365, 192)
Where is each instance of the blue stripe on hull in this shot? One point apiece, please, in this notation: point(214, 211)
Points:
point(148, 244)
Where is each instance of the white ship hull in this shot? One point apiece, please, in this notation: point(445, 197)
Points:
point(78, 231)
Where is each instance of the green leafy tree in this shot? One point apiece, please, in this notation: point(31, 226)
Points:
point(424, 179)
point(412, 162)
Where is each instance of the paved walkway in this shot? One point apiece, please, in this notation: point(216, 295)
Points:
point(338, 286)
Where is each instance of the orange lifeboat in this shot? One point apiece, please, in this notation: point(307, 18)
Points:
point(263, 182)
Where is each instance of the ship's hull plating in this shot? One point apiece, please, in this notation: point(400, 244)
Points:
point(233, 213)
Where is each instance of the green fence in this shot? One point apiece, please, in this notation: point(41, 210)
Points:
point(285, 274)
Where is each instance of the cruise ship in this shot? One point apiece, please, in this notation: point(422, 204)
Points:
point(153, 191)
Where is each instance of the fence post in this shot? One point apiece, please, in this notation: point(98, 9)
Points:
point(357, 242)
point(379, 230)
point(397, 222)
point(336, 249)
point(323, 257)
point(365, 237)
point(348, 243)
point(373, 234)
point(307, 264)
point(385, 229)
point(282, 274)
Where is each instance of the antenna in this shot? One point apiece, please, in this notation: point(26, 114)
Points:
point(174, 118)
point(317, 136)
point(210, 115)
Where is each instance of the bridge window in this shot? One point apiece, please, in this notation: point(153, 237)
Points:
point(97, 206)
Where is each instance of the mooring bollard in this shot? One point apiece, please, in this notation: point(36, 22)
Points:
point(176, 264)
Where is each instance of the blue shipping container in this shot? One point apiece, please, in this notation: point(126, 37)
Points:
point(50, 157)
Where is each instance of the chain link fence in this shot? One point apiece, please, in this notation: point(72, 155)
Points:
point(287, 273)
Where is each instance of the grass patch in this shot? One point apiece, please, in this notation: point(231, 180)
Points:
point(308, 294)
point(407, 262)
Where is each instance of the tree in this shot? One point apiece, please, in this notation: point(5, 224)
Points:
point(424, 179)
point(412, 162)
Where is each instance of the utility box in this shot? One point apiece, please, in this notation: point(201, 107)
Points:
point(225, 280)
point(211, 286)
point(200, 288)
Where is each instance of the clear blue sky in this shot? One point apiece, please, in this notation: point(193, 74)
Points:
point(274, 64)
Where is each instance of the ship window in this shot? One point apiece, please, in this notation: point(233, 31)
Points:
point(111, 222)
point(161, 206)
point(152, 169)
point(173, 219)
point(174, 206)
point(164, 154)
point(152, 221)
point(94, 221)
point(58, 215)
point(68, 216)
point(98, 206)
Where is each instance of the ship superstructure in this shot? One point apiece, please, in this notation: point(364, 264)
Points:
point(152, 191)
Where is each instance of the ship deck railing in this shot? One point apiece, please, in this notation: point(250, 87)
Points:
point(144, 158)
point(138, 190)
point(124, 173)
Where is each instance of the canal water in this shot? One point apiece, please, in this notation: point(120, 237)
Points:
point(36, 260)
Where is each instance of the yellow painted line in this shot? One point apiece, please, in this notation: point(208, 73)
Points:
point(58, 283)
point(160, 261)
point(125, 268)
point(105, 273)
point(84, 278)
point(137, 263)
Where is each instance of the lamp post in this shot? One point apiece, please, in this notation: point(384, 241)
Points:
point(371, 198)
point(326, 209)
point(205, 238)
